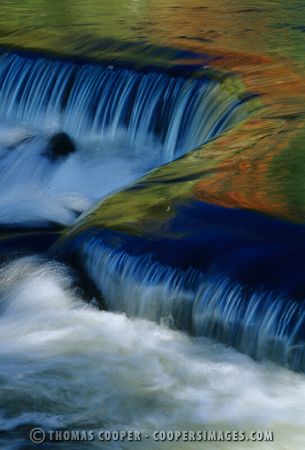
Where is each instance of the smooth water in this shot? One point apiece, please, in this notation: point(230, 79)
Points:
point(66, 364)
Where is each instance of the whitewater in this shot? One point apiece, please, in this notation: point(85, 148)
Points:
point(67, 365)
point(65, 362)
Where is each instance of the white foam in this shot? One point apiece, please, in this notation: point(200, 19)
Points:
point(35, 191)
point(65, 362)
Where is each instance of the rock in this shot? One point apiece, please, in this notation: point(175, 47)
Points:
point(60, 145)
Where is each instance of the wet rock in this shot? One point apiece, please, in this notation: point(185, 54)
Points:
point(60, 145)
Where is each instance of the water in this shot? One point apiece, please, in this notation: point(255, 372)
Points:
point(215, 296)
point(39, 192)
point(170, 114)
point(124, 123)
point(250, 26)
point(66, 364)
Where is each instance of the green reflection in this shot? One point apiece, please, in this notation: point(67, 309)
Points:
point(75, 27)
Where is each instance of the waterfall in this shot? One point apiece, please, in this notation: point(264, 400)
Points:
point(124, 122)
point(232, 275)
point(258, 322)
point(154, 110)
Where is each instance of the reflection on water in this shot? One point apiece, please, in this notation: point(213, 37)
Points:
point(124, 123)
point(263, 42)
point(66, 364)
point(275, 27)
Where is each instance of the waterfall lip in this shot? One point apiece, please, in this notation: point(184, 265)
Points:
point(140, 277)
point(169, 111)
point(178, 68)
point(233, 275)
point(182, 263)
point(251, 249)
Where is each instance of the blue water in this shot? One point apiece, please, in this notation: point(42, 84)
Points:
point(236, 277)
point(67, 364)
point(172, 115)
point(123, 122)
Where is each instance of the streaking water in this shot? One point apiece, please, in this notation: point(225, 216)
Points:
point(66, 364)
point(124, 123)
point(172, 115)
point(70, 365)
point(262, 323)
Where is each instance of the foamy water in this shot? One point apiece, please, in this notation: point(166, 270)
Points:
point(36, 191)
point(65, 364)
point(124, 123)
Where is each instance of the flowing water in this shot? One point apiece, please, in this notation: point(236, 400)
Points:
point(64, 362)
point(124, 123)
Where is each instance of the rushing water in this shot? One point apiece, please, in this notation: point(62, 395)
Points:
point(66, 364)
point(124, 123)
point(262, 323)
point(39, 192)
point(172, 115)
